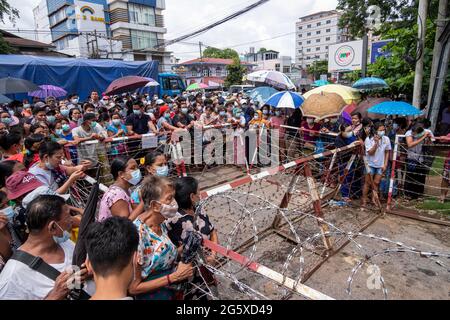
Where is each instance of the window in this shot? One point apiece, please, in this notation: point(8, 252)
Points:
point(58, 16)
point(326, 47)
point(308, 42)
point(143, 39)
point(308, 57)
point(300, 43)
point(327, 39)
point(318, 24)
point(277, 67)
point(171, 84)
point(300, 51)
point(338, 38)
point(317, 40)
point(308, 34)
point(328, 30)
point(326, 55)
point(308, 26)
point(286, 70)
point(300, 35)
point(140, 14)
point(308, 50)
point(300, 28)
point(205, 72)
point(328, 21)
point(317, 48)
point(318, 32)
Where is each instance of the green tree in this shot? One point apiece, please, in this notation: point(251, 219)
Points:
point(227, 53)
point(12, 13)
point(235, 73)
point(318, 68)
point(262, 50)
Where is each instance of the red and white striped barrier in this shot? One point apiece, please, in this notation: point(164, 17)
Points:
point(391, 181)
point(274, 170)
point(287, 282)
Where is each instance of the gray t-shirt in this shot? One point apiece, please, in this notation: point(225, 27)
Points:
point(89, 151)
point(414, 153)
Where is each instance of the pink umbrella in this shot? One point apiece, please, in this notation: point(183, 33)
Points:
point(127, 84)
point(47, 90)
point(365, 105)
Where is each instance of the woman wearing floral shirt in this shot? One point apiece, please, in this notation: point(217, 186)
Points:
point(156, 268)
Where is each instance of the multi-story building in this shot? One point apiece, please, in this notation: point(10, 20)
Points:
point(314, 34)
point(268, 60)
point(115, 29)
point(210, 71)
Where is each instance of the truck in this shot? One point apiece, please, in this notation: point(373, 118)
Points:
point(170, 84)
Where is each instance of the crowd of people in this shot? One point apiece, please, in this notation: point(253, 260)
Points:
point(135, 247)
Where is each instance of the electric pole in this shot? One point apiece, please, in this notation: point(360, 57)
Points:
point(200, 44)
point(418, 78)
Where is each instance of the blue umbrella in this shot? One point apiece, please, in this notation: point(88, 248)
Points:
point(395, 108)
point(286, 99)
point(4, 99)
point(319, 83)
point(370, 83)
point(262, 94)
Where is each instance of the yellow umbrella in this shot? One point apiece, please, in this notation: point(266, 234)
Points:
point(323, 105)
point(349, 94)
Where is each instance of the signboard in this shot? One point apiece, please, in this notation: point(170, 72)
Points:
point(378, 50)
point(346, 56)
point(90, 16)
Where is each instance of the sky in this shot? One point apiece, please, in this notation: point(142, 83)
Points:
point(277, 17)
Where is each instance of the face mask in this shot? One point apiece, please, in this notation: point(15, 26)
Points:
point(65, 127)
point(59, 132)
point(137, 112)
point(49, 166)
point(184, 110)
point(9, 213)
point(256, 117)
point(64, 113)
point(116, 122)
point(380, 134)
point(199, 109)
point(222, 113)
point(238, 115)
point(167, 116)
point(420, 135)
point(169, 211)
point(162, 171)
point(310, 121)
point(93, 124)
point(64, 238)
point(26, 106)
point(333, 121)
point(6, 120)
point(136, 177)
point(74, 101)
point(277, 113)
point(348, 134)
point(265, 112)
point(125, 100)
point(51, 119)
point(395, 126)
point(11, 112)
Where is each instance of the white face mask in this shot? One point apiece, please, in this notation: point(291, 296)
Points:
point(169, 210)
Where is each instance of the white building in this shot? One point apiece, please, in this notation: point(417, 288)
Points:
point(314, 34)
point(268, 60)
point(114, 29)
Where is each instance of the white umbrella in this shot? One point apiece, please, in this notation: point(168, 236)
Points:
point(152, 83)
point(273, 78)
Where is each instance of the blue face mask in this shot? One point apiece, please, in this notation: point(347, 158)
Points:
point(65, 127)
point(64, 238)
point(9, 213)
point(116, 122)
point(6, 120)
point(93, 124)
point(136, 177)
point(137, 112)
point(162, 171)
point(49, 166)
point(167, 116)
point(51, 119)
point(59, 132)
point(64, 113)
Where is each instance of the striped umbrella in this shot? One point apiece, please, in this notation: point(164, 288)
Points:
point(286, 99)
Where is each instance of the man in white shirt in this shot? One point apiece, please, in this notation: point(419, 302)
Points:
point(89, 130)
point(49, 222)
point(377, 156)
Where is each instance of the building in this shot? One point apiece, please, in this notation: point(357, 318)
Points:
point(268, 60)
point(114, 29)
point(314, 33)
point(30, 47)
point(210, 71)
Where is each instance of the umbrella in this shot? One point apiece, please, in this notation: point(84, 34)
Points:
point(286, 99)
point(350, 108)
point(395, 108)
point(346, 117)
point(152, 83)
point(262, 94)
point(365, 105)
point(370, 83)
point(324, 105)
point(47, 90)
point(16, 85)
point(79, 253)
point(197, 86)
point(320, 83)
point(273, 78)
point(350, 95)
point(127, 84)
point(4, 99)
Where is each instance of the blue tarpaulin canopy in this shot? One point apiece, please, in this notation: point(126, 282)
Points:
point(80, 76)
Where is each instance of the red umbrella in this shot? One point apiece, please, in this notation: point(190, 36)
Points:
point(365, 105)
point(126, 84)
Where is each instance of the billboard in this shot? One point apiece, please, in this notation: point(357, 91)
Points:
point(378, 50)
point(346, 56)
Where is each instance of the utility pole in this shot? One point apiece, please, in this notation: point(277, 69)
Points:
point(418, 78)
point(200, 44)
point(440, 25)
point(364, 57)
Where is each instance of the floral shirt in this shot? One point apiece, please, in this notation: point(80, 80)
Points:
point(179, 225)
point(111, 196)
point(156, 253)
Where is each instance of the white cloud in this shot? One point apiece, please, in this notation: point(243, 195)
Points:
point(182, 16)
